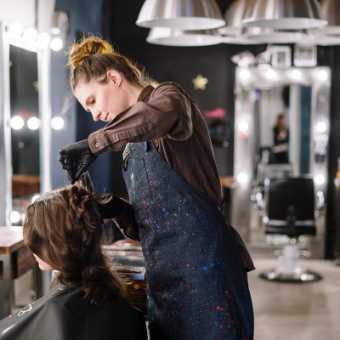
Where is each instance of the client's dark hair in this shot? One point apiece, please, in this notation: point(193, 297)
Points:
point(63, 228)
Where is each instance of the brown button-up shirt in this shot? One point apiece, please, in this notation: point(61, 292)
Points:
point(171, 119)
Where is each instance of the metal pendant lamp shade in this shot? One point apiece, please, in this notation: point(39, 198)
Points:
point(183, 14)
point(284, 14)
point(327, 40)
point(331, 10)
point(240, 40)
point(176, 37)
point(233, 17)
point(271, 36)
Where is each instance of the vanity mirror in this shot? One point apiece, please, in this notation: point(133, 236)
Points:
point(25, 132)
point(281, 130)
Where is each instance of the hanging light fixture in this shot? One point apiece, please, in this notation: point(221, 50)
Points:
point(284, 14)
point(241, 39)
point(326, 39)
point(233, 17)
point(331, 11)
point(177, 37)
point(269, 35)
point(183, 14)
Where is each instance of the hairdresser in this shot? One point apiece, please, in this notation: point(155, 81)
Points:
point(196, 263)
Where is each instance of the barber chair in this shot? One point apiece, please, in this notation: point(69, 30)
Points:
point(290, 208)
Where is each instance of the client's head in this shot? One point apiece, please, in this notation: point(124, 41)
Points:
point(63, 229)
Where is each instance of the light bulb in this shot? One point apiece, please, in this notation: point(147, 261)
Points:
point(33, 123)
point(271, 74)
point(321, 127)
point(56, 44)
point(244, 74)
point(14, 216)
point(243, 126)
point(17, 122)
point(319, 179)
point(34, 198)
point(296, 74)
point(44, 38)
point(322, 75)
point(15, 29)
point(57, 123)
point(30, 34)
point(242, 177)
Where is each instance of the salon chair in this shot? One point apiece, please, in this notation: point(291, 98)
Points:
point(290, 209)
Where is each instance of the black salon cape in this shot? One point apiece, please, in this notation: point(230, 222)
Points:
point(63, 314)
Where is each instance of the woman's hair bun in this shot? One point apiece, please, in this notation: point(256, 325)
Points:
point(86, 47)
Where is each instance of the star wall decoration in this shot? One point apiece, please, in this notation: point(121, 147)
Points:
point(200, 82)
point(36, 86)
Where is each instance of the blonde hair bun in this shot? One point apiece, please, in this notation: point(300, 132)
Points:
point(86, 47)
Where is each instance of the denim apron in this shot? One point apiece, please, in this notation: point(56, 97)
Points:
point(197, 286)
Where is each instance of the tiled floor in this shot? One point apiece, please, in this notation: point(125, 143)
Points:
point(283, 311)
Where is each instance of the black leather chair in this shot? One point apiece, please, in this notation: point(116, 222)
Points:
point(290, 210)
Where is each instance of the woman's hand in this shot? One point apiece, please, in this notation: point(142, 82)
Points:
point(72, 154)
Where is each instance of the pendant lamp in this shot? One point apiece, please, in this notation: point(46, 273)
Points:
point(331, 11)
point(327, 40)
point(183, 14)
point(177, 37)
point(269, 35)
point(284, 14)
point(233, 17)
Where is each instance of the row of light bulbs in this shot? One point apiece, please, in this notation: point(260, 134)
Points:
point(242, 178)
point(31, 36)
point(15, 216)
point(295, 74)
point(33, 123)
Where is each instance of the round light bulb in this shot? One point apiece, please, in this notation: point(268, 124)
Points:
point(44, 38)
point(321, 127)
point(30, 34)
point(33, 123)
point(57, 123)
point(319, 179)
point(56, 44)
point(34, 198)
point(296, 74)
point(271, 74)
point(14, 216)
point(15, 29)
point(242, 177)
point(17, 123)
point(319, 194)
point(322, 75)
point(243, 126)
point(245, 74)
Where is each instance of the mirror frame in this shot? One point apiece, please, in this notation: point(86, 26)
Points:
point(45, 114)
point(247, 80)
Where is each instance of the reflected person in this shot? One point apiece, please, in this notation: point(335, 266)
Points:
point(281, 141)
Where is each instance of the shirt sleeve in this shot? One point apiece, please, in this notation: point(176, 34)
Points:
point(167, 113)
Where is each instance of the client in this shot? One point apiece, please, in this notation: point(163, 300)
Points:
point(63, 230)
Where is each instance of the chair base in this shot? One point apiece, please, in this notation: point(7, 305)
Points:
point(278, 275)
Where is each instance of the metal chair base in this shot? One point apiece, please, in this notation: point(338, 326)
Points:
point(297, 277)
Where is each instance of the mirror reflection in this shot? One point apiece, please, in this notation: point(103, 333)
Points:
point(25, 123)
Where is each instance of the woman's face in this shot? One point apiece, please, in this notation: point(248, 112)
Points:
point(42, 265)
point(104, 101)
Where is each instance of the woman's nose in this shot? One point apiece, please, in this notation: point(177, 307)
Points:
point(96, 116)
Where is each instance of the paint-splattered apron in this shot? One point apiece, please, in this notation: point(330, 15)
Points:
point(197, 286)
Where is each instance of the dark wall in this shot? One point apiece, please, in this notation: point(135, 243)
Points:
point(179, 64)
point(84, 17)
